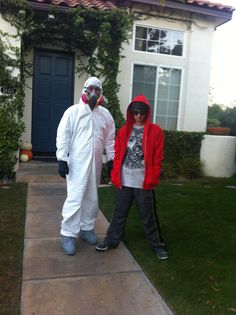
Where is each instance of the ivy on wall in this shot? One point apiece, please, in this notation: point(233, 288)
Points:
point(97, 35)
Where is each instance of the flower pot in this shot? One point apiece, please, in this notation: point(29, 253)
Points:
point(224, 131)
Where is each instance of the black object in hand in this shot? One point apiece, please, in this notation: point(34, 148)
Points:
point(109, 167)
point(63, 169)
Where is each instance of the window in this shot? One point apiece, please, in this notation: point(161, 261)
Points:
point(161, 86)
point(161, 41)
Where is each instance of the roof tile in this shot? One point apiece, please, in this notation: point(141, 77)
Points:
point(211, 4)
point(98, 4)
point(110, 4)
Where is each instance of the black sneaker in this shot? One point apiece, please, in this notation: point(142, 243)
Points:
point(161, 253)
point(102, 247)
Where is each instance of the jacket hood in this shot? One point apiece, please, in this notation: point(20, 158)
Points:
point(130, 118)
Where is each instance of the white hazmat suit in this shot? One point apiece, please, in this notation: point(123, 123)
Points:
point(82, 136)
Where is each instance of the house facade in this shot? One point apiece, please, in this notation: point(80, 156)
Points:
point(167, 58)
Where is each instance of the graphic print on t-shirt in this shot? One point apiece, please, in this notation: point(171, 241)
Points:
point(134, 152)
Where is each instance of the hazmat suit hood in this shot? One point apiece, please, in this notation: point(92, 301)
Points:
point(93, 99)
point(92, 81)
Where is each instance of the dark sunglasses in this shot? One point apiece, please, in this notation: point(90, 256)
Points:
point(138, 112)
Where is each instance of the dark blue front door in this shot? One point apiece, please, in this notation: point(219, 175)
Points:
point(52, 94)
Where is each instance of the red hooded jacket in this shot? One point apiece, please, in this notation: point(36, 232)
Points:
point(153, 145)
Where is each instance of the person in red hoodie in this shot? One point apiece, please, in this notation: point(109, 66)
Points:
point(135, 174)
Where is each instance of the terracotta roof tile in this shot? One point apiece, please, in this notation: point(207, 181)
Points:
point(98, 4)
point(211, 4)
point(111, 4)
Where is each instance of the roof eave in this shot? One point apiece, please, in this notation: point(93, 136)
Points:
point(223, 14)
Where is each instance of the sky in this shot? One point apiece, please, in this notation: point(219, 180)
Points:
point(223, 66)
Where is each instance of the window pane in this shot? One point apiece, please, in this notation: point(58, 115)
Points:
point(174, 93)
point(171, 123)
point(138, 73)
point(150, 74)
point(177, 50)
point(149, 90)
point(153, 47)
point(177, 37)
point(175, 76)
point(165, 49)
point(161, 121)
point(137, 89)
point(141, 32)
point(164, 76)
point(162, 91)
point(168, 96)
point(173, 108)
point(140, 44)
point(161, 107)
point(165, 37)
point(153, 34)
point(144, 81)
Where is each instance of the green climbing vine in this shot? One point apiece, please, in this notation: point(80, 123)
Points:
point(98, 36)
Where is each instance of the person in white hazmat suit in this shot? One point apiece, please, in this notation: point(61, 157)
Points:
point(84, 132)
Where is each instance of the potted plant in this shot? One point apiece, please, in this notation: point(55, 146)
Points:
point(214, 128)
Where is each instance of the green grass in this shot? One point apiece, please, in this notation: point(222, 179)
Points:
point(12, 215)
point(198, 221)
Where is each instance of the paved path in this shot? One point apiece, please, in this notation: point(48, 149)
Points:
point(89, 283)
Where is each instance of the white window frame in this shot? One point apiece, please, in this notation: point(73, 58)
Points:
point(162, 28)
point(180, 110)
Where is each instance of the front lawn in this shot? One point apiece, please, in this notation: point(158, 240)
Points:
point(198, 221)
point(12, 220)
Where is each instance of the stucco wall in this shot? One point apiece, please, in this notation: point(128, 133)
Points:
point(195, 65)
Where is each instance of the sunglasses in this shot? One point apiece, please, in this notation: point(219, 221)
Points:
point(138, 112)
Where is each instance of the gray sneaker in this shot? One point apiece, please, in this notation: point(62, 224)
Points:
point(102, 247)
point(68, 245)
point(88, 236)
point(161, 253)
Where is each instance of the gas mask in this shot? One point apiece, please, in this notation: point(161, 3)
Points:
point(93, 94)
point(92, 100)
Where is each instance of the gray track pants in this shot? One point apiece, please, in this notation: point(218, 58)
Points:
point(145, 203)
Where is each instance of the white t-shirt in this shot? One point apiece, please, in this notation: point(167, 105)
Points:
point(132, 173)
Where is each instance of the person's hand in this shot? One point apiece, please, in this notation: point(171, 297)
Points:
point(109, 167)
point(63, 169)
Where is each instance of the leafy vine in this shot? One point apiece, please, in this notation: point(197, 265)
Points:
point(97, 34)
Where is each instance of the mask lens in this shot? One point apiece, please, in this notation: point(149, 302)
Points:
point(93, 89)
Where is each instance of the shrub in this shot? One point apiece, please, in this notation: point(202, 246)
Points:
point(182, 154)
point(11, 129)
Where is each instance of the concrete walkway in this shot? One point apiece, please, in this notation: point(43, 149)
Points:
point(89, 283)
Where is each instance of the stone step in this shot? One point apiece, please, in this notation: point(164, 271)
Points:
point(39, 178)
point(38, 172)
point(38, 166)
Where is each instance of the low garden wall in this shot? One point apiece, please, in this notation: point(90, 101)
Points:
point(217, 155)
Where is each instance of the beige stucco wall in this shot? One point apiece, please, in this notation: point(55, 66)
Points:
point(195, 65)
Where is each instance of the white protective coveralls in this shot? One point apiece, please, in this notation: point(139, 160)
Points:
point(82, 136)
